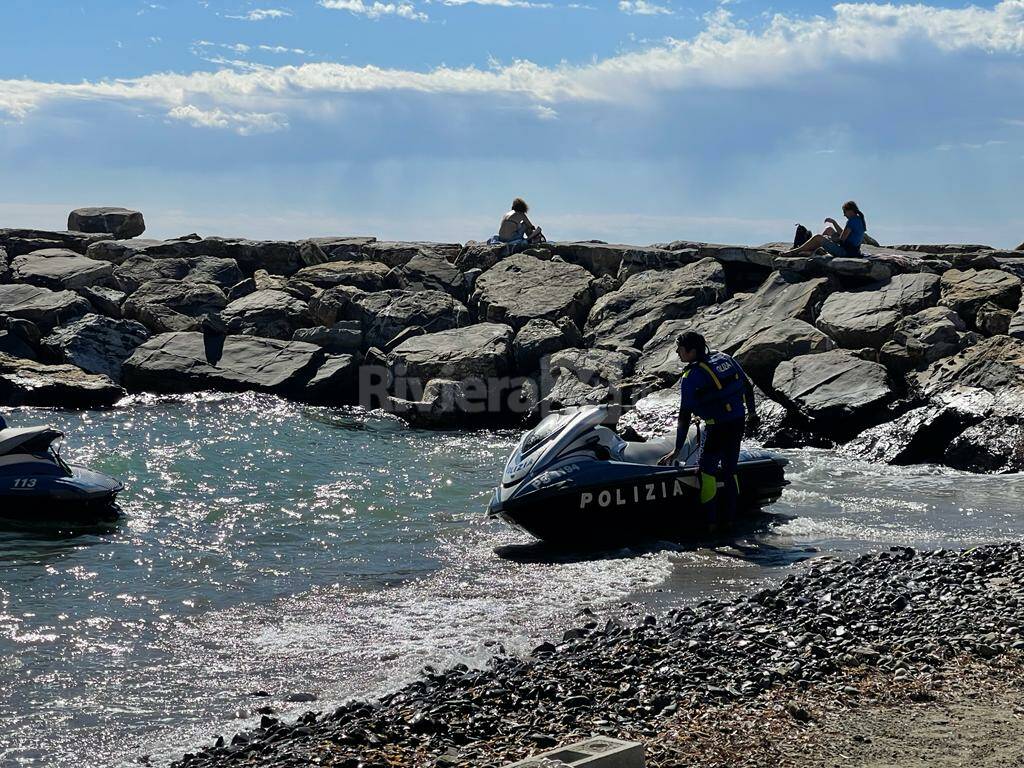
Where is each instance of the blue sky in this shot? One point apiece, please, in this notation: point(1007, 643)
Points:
point(633, 121)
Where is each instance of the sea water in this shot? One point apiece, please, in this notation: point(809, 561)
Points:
point(273, 547)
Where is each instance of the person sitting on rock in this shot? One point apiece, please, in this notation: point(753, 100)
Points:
point(836, 242)
point(516, 228)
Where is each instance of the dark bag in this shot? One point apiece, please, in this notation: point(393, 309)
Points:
point(803, 234)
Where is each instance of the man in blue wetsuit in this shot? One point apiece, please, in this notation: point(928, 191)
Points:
point(714, 388)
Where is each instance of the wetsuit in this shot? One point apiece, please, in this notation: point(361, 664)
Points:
point(716, 389)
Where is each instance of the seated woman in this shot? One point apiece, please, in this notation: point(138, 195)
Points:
point(516, 228)
point(845, 242)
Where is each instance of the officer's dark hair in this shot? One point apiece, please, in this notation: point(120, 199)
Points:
point(693, 340)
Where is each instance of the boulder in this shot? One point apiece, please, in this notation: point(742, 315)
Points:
point(96, 344)
point(19, 338)
point(188, 362)
point(396, 254)
point(344, 336)
point(993, 445)
point(995, 364)
point(652, 416)
point(837, 391)
point(993, 320)
point(336, 381)
point(542, 337)
point(867, 318)
point(173, 305)
point(730, 325)
point(44, 307)
point(136, 270)
point(105, 300)
point(119, 222)
point(479, 351)
point(385, 314)
point(922, 434)
point(276, 256)
point(606, 259)
point(951, 249)
point(430, 271)
point(365, 275)
point(268, 313)
point(59, 269)
point(522, 288)
point(18, 242)
point(1016, 328)
point(966, 291)
point(762, 353)
point(630, 316)
point(642, 260)
point(481, 256)
point(930, 334)
point(28, 383)
point(118, 251)
point(583, 377)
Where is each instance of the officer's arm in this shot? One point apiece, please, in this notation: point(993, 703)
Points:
point(686, 389)
point(748, 395)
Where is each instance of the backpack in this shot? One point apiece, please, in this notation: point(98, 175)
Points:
point(803, 234)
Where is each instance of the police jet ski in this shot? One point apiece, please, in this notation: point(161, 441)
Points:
point(572, 480)
point(39, 488)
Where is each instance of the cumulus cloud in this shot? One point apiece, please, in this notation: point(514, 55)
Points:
point(243, 123)
point(376, 9)
point(262, 14)
point(643, 8)
point(725, 55)
point(499, 3)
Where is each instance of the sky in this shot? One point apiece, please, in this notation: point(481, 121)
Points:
point(633, 121)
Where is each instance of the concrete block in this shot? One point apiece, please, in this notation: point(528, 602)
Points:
point(597, 752)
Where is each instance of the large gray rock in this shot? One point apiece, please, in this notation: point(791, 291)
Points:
point(993, 445)
point(583, 377)
point(105, 300)
point(607, 258)
point(965, 291)
point(385, 314)
point(18, 242)
point(481, 256)
point(479, 351)
point(868, 318)
point(522, 288)
point(119, 222)
point(276, 256)
point(96, 344)
point(762, 353)
point(268, 313)
point(173, 305)
point(430, 271)
point(118, 251)
point(730, 325)
point(59, 269)
point(335, 381)
point(930, 335)
point(344, 336)
point(995, 364)
point(365, 275)
point(28, 383)
point(943, 248)
point(993, 320)
point(136, 270)
point(839, 392)
point(542, 337)
point(188, 362)
point(653, 416)
point(923, 434)
point(397, 254)
point(630, 316)
point(19, 338)
point(1016, 328)
point(44, 307)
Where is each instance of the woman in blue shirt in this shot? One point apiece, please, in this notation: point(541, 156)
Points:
point(838, 243)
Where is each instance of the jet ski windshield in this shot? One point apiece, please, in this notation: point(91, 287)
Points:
point(549, 426)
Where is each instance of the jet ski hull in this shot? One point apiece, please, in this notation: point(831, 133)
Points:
point(83, 496)
point(642, 504)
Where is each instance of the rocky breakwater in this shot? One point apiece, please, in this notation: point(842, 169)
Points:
point(911, 353)
point(896, 618)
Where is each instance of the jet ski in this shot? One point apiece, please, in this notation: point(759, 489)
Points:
point(572, 480)
point(38, 488)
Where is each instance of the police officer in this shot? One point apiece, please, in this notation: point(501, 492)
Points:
point(714, 388)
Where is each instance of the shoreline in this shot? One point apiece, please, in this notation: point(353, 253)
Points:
point(828, 637)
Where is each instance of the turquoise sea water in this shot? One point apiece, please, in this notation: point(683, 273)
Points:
point(277, 547)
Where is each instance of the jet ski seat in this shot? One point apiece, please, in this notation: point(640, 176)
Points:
point(649, 452)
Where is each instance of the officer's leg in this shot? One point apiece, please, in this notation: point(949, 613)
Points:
point(729, 493)
point(709, 463)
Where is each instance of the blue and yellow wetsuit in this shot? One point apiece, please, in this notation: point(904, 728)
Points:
point(716, 389)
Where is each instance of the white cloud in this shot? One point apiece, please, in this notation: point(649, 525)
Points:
point(643, 8)
point(243, 123)
point(261, 14)
point(500, 3)
point(376, 9)
point(545, 112)
point(724, 55)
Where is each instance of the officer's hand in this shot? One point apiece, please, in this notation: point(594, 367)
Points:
point(665, 460)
